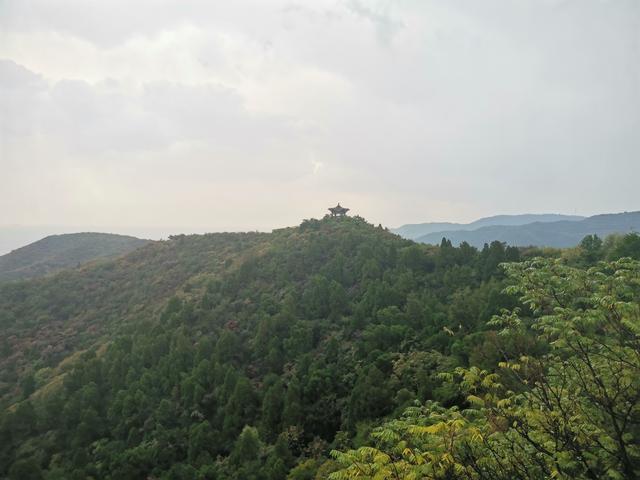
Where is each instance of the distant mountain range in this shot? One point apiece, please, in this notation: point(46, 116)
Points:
point(57, 252)
point(417, 230)
point(559, 234)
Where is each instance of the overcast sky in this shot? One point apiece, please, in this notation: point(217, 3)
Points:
point(245, 115)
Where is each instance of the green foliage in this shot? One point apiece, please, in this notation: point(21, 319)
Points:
point(371, 396)
point(51, 319)
point(571, 412)
point(57, 252)
point(236, 356)
point(624, 246)
point(591, 248)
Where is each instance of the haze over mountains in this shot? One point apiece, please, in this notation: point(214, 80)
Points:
point(414, 231)
point(545, 231)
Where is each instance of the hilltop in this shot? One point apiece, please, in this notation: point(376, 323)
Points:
point(57, 252)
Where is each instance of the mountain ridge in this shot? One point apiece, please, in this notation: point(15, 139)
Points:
point(58, 252)
point(413, 231)
point(561, 234)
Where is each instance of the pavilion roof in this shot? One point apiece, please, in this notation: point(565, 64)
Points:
point(338, 208)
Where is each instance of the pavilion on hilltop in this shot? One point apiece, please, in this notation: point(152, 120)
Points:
point(338, 211)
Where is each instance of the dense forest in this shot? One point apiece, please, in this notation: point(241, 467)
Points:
point(334, 349)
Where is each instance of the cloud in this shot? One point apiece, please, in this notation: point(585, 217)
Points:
point(21, 94)
point(386, 26)
point(407, 110)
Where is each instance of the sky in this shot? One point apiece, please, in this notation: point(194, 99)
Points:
point(256, 114)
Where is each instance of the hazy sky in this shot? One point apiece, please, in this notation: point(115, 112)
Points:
point(256, 114)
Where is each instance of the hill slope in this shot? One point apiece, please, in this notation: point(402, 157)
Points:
point(152, 364)
point(45, 320)
point(414, 231)
point(555, 234)
point(57, 252)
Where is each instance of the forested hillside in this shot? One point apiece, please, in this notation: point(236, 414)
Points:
point(563, 403)
point(46, 320)
point(57, 252)
point(254, 356)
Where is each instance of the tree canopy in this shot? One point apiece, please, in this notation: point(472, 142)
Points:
point(235, 356)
